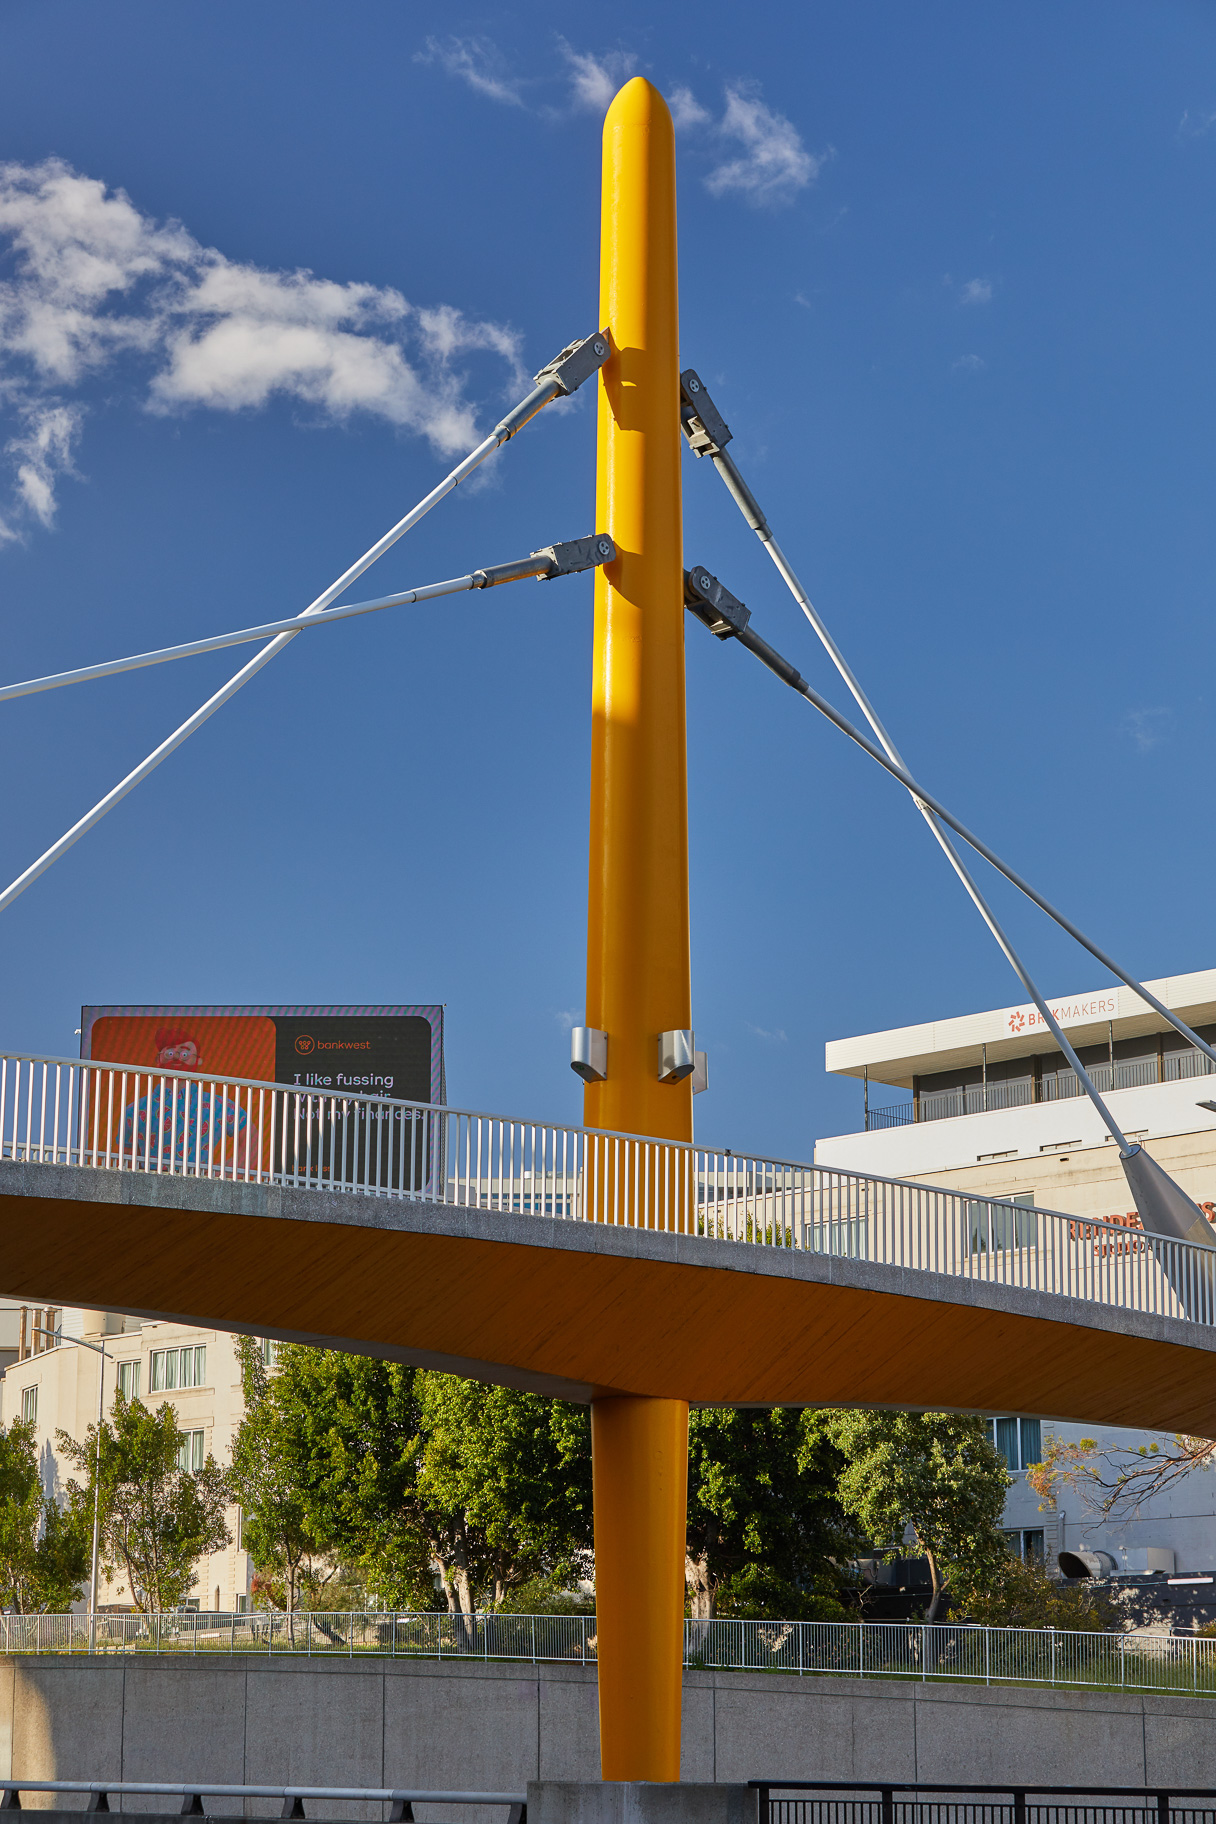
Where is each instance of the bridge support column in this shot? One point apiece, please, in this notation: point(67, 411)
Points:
point(638, 981)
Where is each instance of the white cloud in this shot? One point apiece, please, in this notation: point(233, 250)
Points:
point(776, 1037)
point(970, 364)
point(476, 61)
point(686, 110)
point(1195, 126)
point(774, 164)
point(97, 287)
point(976, 291)
point(568, 1018)
point(595, 80)
point(1148, 728)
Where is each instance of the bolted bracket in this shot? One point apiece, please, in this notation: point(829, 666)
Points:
point(577, 554)
point(677, 1059)
point(577, 362)
point(713, 603)
point(589, 1053)
point(700, 420)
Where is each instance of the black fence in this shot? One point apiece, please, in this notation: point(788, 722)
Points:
point(861, 1802)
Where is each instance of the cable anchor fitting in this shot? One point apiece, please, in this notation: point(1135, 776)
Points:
point(700, 420)
point(551, 560)
point(713, 603)
point(577, 362)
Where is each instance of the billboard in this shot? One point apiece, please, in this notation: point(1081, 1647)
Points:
point(342, 1058)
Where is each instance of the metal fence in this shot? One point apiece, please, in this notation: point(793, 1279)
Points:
point(868, 1649)
point(859, 1802)
point(111, 1117)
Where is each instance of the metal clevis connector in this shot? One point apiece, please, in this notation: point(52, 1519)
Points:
point(577, 362)
point(577, 554)
point(700, 420)
point(713, 603)
point(551, 560)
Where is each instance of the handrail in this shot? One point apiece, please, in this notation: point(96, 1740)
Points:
point(351, 1140)
point(209, 1790)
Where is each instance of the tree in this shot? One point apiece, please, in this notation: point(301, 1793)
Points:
point(1114, 1481)
point(44, 1548)
point(1014, 1594)
point(157, 1518)
point(411, 1473)
point(764, 1527)
point(505, 1477)
point(934, 1472)
point(269, 1477)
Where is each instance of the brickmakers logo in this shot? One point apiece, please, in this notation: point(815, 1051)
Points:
point(1016, 1023)
point(305, 1044)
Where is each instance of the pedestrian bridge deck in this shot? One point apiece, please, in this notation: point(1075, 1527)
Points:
point(579, 1262)
point(578, 1308)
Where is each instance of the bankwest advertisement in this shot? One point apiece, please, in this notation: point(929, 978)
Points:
point(340, 1055)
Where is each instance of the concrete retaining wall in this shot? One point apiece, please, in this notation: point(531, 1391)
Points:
point(495, 1727)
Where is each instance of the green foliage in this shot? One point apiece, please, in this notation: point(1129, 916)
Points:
point(156, 1519)
point(1014, 1594)
point(44, 1548)
point(269, 1477)
point(407, 1472)
point(764, 1524)
point(935, 1472)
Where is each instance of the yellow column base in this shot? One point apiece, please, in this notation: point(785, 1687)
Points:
point(640, 1461)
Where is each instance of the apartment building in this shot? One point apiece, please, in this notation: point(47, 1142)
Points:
point(56, 1384)
point(986, 1103)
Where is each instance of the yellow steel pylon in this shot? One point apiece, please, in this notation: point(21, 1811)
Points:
point(638, 979)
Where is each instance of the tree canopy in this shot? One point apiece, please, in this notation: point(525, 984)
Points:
point(269, 1477)
point(765, 1530)
point(412, 1474)
point(157, 1517)
point(44, 1547)
point(933, 1472)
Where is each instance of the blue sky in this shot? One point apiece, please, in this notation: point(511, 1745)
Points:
point(949, 271)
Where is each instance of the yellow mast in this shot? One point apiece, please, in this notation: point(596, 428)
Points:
point(638, 982)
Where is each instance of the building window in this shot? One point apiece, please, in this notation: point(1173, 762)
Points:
point(128, 1380)
point(998, 1227)
point(1019, 1441)
point(242, 1605)
point(174, 1368)
point(190, 1451)
point(1026, 1543)
point(29, 1405)
point(270, 1351)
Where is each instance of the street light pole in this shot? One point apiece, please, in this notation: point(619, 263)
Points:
point(57, 1338)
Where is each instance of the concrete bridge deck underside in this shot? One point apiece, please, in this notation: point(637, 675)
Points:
point(577, 1309)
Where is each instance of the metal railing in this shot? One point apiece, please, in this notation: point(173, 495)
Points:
point(111, 1117)
point(876, 1802)
point(851, 1649)
point(399, 1799)
point(897, 1114)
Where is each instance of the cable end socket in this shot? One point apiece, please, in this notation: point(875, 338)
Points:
point(702, 423)
point(577, 362)
point(713, 604)
point(577, 554)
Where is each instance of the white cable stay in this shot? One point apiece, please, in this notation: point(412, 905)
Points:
point(552, 560)
point(562, 376)
point(707, 439)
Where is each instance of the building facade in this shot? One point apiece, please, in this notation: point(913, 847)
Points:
point(56, 1385)
point(989, 1105)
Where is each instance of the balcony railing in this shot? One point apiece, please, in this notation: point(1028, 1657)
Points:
point(111, 1117)
point(1055, 1086)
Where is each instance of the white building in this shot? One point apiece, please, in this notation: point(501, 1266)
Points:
point(56, 1385)
point(989, 1105)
